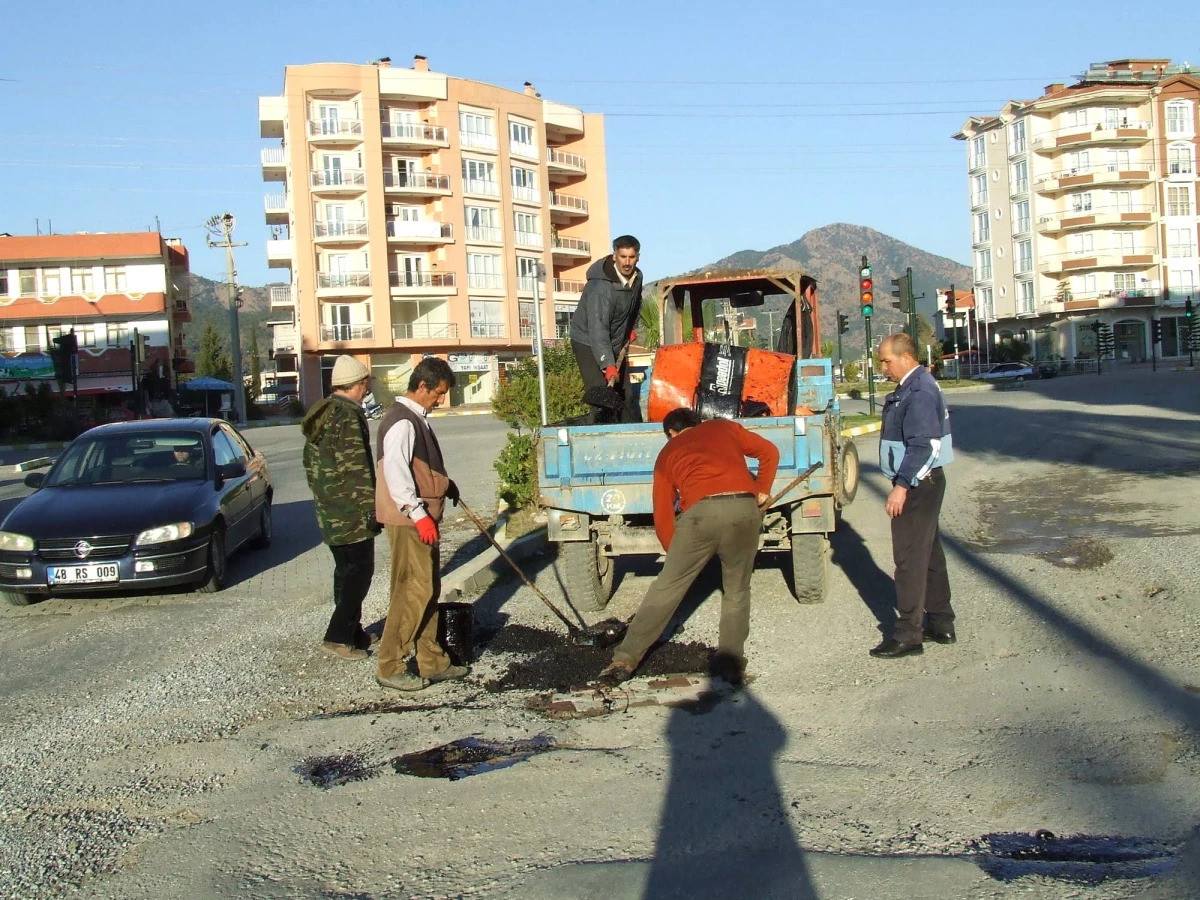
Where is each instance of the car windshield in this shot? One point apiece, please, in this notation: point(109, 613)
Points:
point(128, 457)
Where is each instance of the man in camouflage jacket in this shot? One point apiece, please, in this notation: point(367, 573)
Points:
point(341, 474)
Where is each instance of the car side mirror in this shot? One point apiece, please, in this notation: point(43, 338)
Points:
point(231, 470)
point(35, 479)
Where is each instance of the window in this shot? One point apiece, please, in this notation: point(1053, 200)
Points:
point(52, 282)
point(1123, 282)
point(983, 228)
point(1078, 161)
point(1183, 283)
point(1122, 242)
point(114, 279)
point(1179, 159)
point(117, 335)
point(1179, 201)
point(1016, 137)
point(979, 190)
point(483, 271)
point(28, 282)
point(81, 281)
point(1023, 252)
point(528, 232)
point(1081, 203)
point(986, 310)
point(85, 335)
point(1120, 201)
point(1118, 160)
point(1083, 286)
point(521, 139)
point(524, 185)
point(983, 265)
point(487, 319)
point(1024, 297)
point(978, 152)
point(526, 272)
point(1179, 117)
point(483, 223)
point(1077, 118)
point(241, 450)
point(3, 282)
point(477, 130)
point(1181, 242)
point(1020, 215)
point(1082, 244)
point(479, 177)
point(223, 449)
point(1020, 177)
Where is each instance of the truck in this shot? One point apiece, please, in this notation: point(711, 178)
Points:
point(595, 481)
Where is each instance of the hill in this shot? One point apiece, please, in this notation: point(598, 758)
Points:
point(209, 304)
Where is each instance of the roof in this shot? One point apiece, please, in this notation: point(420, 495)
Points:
point(32, 248)
point(720, 285)
point(197, 425)
point(962, 299)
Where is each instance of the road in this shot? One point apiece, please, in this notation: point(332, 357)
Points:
point(157, 747)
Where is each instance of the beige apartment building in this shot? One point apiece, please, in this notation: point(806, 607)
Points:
point(416, 212)
point(1083, 209)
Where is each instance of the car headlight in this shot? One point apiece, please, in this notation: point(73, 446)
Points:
point(164, 533)
point(16, 542)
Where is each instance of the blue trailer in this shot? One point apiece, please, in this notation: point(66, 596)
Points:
point(595, 481)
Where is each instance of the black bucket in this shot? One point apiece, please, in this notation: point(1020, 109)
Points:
point(456, 632)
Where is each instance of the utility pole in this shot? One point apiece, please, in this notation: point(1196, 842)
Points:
point(220, 231)
point(539, 272)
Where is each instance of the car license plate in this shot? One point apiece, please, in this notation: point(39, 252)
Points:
point(85, 574)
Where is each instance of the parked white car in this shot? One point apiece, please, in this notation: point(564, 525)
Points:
point(1010, 371)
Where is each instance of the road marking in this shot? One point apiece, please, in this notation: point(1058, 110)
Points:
point(861, 429)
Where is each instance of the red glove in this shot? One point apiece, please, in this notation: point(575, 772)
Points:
point(633, 335)
point(610, 374)
point(427, 530)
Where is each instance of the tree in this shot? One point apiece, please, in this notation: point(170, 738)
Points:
point(254, 388)
point(927, 338)
point(648, 325)
point(213, 359)
point(827, 349)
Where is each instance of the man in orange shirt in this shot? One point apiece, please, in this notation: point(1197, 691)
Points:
point(703, 465)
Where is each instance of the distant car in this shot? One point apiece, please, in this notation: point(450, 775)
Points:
point(1010, 371)
point(130, 505)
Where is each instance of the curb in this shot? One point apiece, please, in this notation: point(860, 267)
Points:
point(270, 423)
point(52, 445)
point(480, 573)
point(450, 413)
point(860, 430)
point(30, 464)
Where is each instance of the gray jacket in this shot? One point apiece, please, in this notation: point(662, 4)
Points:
point(607, 311)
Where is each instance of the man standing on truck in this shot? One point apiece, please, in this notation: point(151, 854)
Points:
point(605, 321)
point(914, 445)
point(787, 333)
point(703, 466)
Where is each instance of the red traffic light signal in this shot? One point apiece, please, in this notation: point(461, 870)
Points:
point(866, 289)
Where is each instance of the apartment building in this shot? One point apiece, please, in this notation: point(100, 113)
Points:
point(1083, 209)
point(416, 212)
point(103, 287)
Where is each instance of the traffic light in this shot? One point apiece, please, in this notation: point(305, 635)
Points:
point(63, 355)
point(866, 289)
point(1188, 311)
point(1155, 331)
point(950, 303)
point(843, 323)
point(1095, 326)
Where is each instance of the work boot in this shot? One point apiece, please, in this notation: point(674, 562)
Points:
point(366, 640)
point(451, 673)
point(343, 651)
point(402, 681)
point(729, 668)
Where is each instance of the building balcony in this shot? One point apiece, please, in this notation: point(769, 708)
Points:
point(559, 162)
point(1073, 136)
point(1181, 170)
point(282, 295)
point(531, 239)
point(279, 253)
point(342, 333)
point(1094, 301)
point(572, 248)
point(1097, 259)
point(272, 116)
point(488, 330)
point(276, 208)
point(329, 181)
point(473, 140)
point(274, 164)
point(562, 332)
point(335, 131)
point(343, 285)
point(568, 206)
point(485, 281)
point(567, 290)
point(979, 199)
point(426, 284)
point(415, 135)
point(284, 337)
point(350, 231)
point(426, 233)
point(523, 150)
point(1055, 223)
point(481, 188)
point(417, 184)
point(529, 195)
point(181, 312)
point(1136, 172)
point(483, 234)
point(424, 331)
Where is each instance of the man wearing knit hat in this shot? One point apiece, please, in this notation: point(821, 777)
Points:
point(341, 474)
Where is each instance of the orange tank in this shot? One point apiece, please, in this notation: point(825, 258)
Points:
point(674, 380)
point(768, 378)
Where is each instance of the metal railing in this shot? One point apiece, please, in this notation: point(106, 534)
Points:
point(528, 239)
point(421, 279)
point(335, 128)
point(1180, 167)
point(1099, 209)
point(526, 331)
point(572, 244)
point(562, 331)
point(520, 148)
point(479, 186)
point(1108, 295)
point(343, 279)
point(1092, 128)
point(979, 198)
point(476, 139)
point(413, 131)
point(1133, 165)
point(563, 286)
point(419, 230)
point(526, 194)
point(559, 158)
point(347, 332)
point(1101, 251)
point(1020, 226)
point(484, 233)
point(983, 236)
point(983, 273)
point(487, 330)
point(281, 295)
point(273, 156)
point(488, 281)
point(568, 201)
point(412, 331)
point(343, 228)
point(427, 181)
point(275, 202)
point(339, 178)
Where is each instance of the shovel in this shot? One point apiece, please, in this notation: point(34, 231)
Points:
point(602, 634)
point(605, 396)
point(790, 486)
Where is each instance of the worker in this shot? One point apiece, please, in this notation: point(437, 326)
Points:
point(807, 295)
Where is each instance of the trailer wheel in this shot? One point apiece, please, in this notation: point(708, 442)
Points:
point(810, 567)
point(587, 574)
point(847, 487)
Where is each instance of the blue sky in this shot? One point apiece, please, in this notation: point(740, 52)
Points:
point(730, 126)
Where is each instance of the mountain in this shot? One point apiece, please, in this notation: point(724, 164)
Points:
point(833, 254)
point(209, 303)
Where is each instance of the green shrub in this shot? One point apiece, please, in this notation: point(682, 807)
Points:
point(850, 372)
point(516, 466)
point(295, 409)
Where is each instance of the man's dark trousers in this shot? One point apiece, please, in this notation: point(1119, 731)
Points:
point(593, 377)
point(922, 586)
point(353, 568)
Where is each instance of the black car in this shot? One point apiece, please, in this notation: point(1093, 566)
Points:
point(148, 504)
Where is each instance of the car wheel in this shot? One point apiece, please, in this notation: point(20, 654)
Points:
point(218, 562)
point(16, 598)
point(1019, 379)
point(262, 540)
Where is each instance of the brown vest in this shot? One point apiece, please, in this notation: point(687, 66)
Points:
point(428, 469)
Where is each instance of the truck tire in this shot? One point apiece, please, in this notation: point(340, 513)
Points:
point(847, 487)
point(587, 575)
point(810, 567)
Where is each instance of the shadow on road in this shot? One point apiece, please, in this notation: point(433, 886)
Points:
point(875, 586)
point(295, 533)
point(724, 830)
